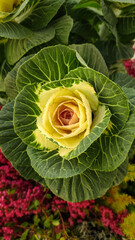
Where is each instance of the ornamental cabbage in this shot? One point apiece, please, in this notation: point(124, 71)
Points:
point(70, 127)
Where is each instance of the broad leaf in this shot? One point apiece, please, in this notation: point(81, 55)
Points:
point(108, 14)
point(5, 68)
point(121, 172)
point(113, 150)
point(62, 28)
point(44, 12)
point(49, 164)
point(123, 1)
point(91, 5)
point(126, 25)
point(88, 185)
point(12, 146)
point(56, 62)
point(124, 80)
point(87, 3)
point(10, 79)
point(130, 93)
point(91, 56)
point(112, 52)
point(13, 30)
point(15, 49)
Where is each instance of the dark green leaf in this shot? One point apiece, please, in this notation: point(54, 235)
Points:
point(121, 172)
point(112, 52)
point(62, 28)
point(124, 80)
point(12, 146)
point(88, 185)
point(15, 49)
point(24, 235)
point(12, 30)
point(126, 25)
point(10, 79)
point(113, 150)
point(56, 62)
point(91, 56)
point(43, 13)
point(5, 68)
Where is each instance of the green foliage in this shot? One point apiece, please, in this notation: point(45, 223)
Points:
point(94, 165)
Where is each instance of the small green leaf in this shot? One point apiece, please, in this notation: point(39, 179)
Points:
point(34, 205)
point(36, 219)
point(48, 196)
point(24, 235)
point(56, 223)
point(58, 235)
point(47, 223)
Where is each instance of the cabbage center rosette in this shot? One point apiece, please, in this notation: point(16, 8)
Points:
point(66, 116)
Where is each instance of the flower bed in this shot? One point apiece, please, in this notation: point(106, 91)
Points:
point(26, 206)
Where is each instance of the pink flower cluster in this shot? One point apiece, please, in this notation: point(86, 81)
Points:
point(130, 66)
point(16, 197)
point(77, 211)
point(112, 220)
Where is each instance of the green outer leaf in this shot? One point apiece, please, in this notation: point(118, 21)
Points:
point(121, 172)
point(117, 52)
point(123, 1)
point(12, 146)
point(87, 3)
point(130, 93)
point(128, 85)
point(108, 93)
point(15, 49)
point(126, 25)
point(5, 68)
point(112, 150)
point(92, 57)
point(10, 79)
point(56, 62)
point(26, 111)
point(88, 185)
point(51, 165)
point(44, 12)
point(62, 28)
point(124, 80)
point(108, 14)
point(13, 30)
